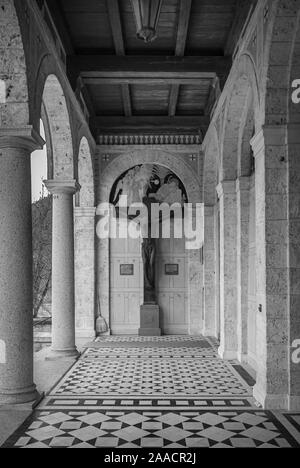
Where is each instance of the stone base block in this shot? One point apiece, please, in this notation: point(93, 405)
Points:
point(149, 332)
point(22, 399)
point(294, 403)
point(85, 333)
point(150, 320)
point(227, 355)
point(56, 354)
point(268, 401)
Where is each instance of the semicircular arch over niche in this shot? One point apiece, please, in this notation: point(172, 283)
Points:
point(185, 173)
point(173, 162)
point(244, 95)
point(55, 110)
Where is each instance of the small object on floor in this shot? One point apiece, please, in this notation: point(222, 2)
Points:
point(101, 325)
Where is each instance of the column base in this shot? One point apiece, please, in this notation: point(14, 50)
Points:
point(294, 403)
point(194, 331)
point(56, 354)
point(149, 332)
point(107, 333)
point(26, 396)
point(209, 333)
point(150, 320)
point(242, 358)
point(268, 401)
point(227, 355)
point(86, 333)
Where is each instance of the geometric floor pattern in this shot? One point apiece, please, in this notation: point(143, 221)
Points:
point(119, 429)
point(162, 392)
point(153, 377)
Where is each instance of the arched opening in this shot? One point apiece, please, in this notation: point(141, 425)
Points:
point(54, 162)
point(55, 111)
point(127, 269)
point(42, 243)
point(169, 162)
point(237, 231)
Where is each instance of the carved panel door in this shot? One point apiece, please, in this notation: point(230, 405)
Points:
point(126, 286)
point(171, 285)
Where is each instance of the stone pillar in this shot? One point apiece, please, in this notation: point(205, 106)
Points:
point(195, 278)
point(228, 252)
point(85, 300)
point(63, 277)
point(16, 304)
point(210, 297)
point(294, 265)
point(270, 152)
point(243, 216)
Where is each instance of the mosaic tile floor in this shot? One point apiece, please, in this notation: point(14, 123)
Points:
point(154, 377)
point(171, 392)
point(119, 429)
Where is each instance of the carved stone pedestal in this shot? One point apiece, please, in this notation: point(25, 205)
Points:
point(150, 320)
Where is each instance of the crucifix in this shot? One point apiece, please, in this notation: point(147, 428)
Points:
point(149, 309)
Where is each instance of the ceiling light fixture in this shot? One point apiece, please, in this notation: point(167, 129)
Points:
point(147, 14)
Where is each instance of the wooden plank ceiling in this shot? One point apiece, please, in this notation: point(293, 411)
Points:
point(169, 85)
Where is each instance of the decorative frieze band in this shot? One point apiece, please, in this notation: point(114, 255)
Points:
point(150, 140)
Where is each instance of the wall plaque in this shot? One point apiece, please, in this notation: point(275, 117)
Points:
point(172, 269)
point(126, 270)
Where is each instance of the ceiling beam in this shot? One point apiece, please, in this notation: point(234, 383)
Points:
point(173, 99)
point(117, 33)
point(116, 26)
point(183, 26)
point(193, 81)
point(150, 123)
point(126, 96)
point(243, 14)
point(148, 66)
point(214, 94)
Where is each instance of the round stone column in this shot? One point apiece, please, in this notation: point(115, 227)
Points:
point(16, 304)
point(63, 276)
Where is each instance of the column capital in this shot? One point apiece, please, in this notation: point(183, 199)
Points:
point(226, 187)
point(68, 187)
point(275, 135)
point(26, 138)
point(242, 184)
point(85, 211)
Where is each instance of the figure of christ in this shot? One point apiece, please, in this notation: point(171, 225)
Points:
point(148, 255)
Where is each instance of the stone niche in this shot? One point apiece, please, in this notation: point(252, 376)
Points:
point(186, 161)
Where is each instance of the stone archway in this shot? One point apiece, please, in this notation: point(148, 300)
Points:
point(276, 150)
point(242, 110)
point(18, 140)
point(244, 94)
point(63, 186)
point(119, 165)
point(58, 123)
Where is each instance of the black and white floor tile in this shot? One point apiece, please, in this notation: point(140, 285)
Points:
point(154, 377)
point(171, 392)
point(120, 429)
